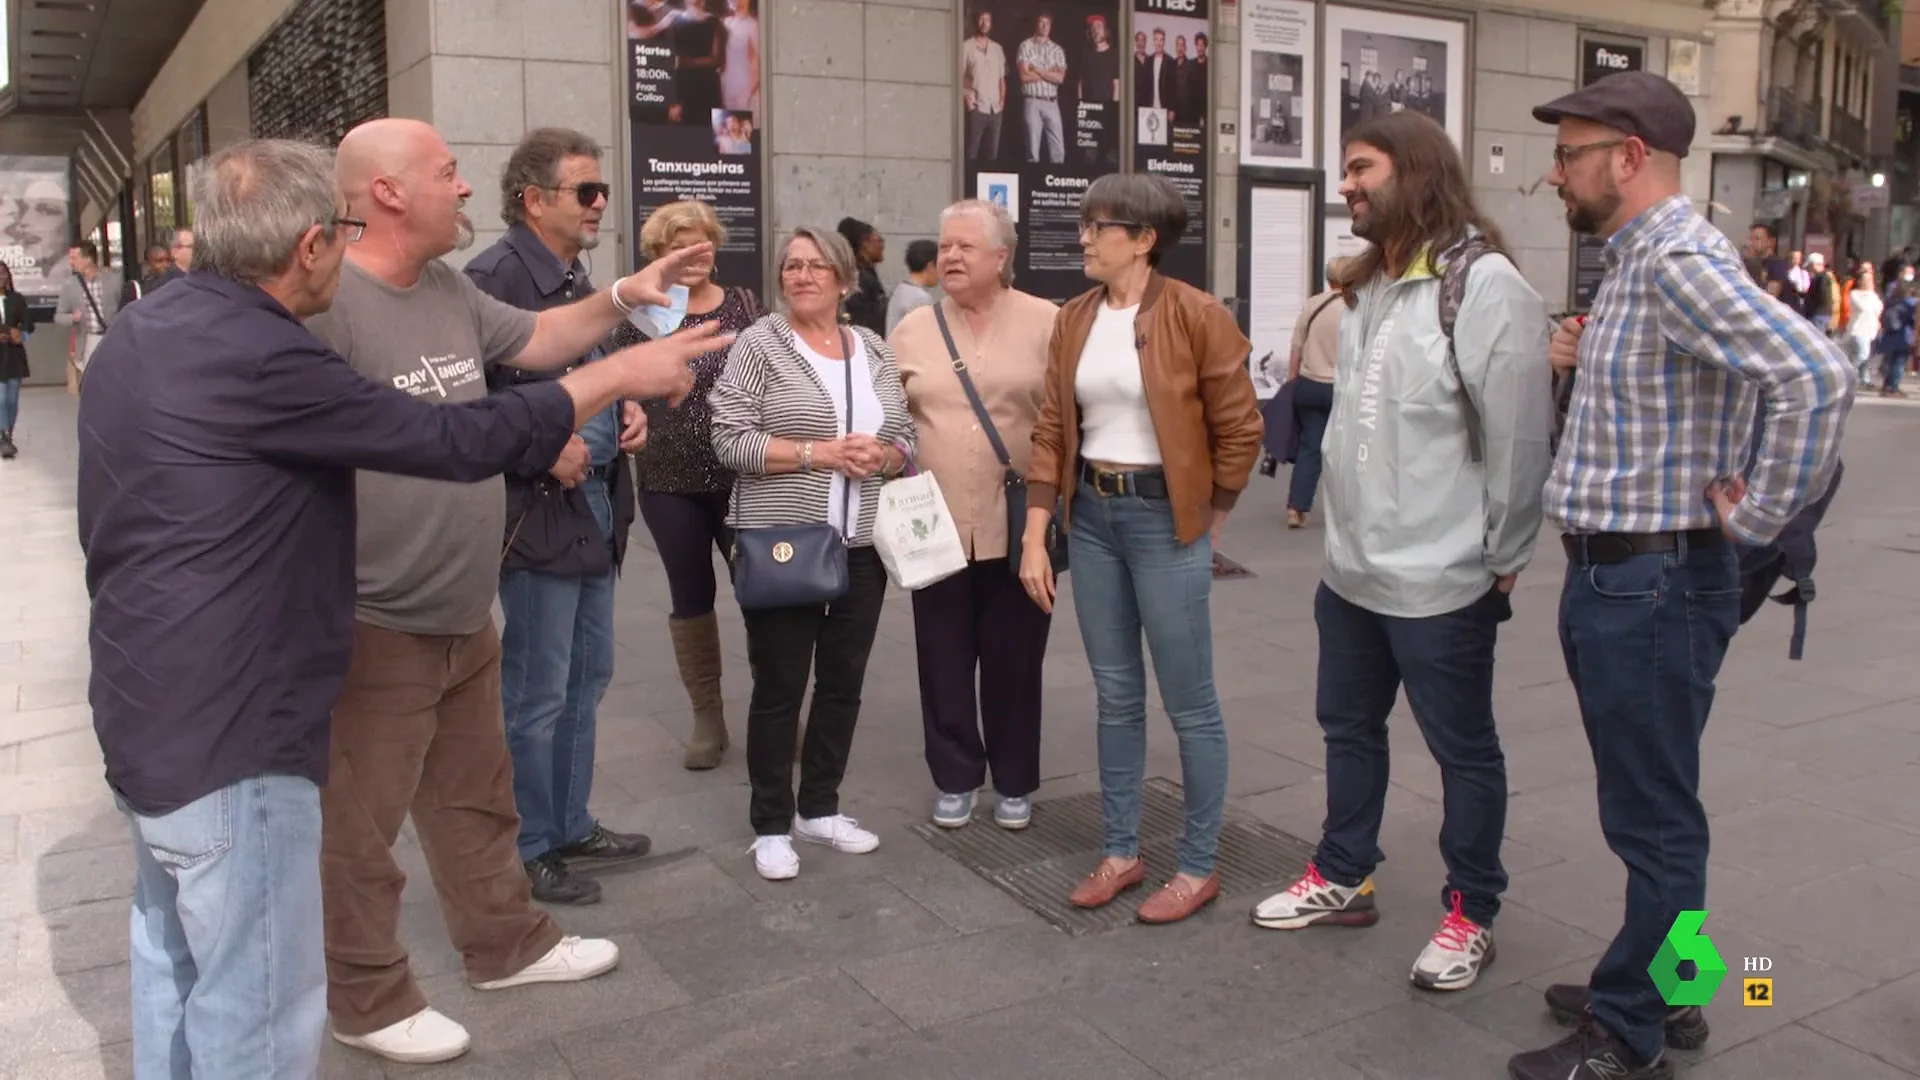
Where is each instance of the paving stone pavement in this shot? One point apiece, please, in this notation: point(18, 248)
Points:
point(901, 965)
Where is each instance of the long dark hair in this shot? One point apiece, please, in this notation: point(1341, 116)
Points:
point(8, 271)
point(1432, 196)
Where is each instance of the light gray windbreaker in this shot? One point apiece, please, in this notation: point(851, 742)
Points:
point(1414, 527)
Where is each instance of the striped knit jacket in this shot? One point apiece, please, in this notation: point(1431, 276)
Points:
point(770, 391)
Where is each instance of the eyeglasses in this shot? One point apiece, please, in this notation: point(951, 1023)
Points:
point(1097, 224)
point(356, 228)
point(588, 193)
point(813, 268)
point(1564, 156)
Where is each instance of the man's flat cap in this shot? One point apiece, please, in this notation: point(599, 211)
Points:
point(1637, 103)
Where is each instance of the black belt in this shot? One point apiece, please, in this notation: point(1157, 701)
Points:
point(1143, 483)
point(600, 471)
point(1603, 548)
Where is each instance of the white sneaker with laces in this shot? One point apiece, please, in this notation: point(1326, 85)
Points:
point(839, 832)
point(1453, 959)
point(573, 960)
point(774, 857)
point(1315, 901)
point(424, 1038)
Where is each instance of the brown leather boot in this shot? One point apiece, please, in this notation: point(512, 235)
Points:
point(696, 645)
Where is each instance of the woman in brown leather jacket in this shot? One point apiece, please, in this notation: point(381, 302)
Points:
point(1151, 428)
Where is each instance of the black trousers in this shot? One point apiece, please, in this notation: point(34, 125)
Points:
point(830, 642)
point(979, 629)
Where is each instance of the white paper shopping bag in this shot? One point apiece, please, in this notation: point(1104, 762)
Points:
point(915, 535)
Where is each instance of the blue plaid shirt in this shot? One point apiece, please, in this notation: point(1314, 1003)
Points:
point(1679, 352)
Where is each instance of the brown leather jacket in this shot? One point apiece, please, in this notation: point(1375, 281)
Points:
point(1193, 359)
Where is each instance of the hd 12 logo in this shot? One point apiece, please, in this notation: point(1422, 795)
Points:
point(1685, 942)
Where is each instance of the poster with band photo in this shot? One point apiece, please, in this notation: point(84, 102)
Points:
point(1277, 48)
point(1383, 62)
point(1039, 121)
point(694, 103)
point(1172, 79)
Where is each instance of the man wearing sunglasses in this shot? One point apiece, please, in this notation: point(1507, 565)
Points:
point(566, 530)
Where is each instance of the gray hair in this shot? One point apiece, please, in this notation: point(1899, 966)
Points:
point(1143, 200)
point(999, 226)
point(536, 163)
point(254, 200)
point(838, 253)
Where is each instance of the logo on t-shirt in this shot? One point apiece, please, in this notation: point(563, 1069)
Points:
point(438, 375)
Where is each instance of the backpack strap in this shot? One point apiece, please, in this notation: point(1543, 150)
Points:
point(1453, 290)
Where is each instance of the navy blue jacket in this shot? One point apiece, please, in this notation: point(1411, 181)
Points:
point(218, 443)
point(550, 528)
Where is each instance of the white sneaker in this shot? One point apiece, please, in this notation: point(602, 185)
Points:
point(774, 857)
point(573, 960)
point(1453, 959)
point(839, 832)
point(1314, 901)
point(421, 1039)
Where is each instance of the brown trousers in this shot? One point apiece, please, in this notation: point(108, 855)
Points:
point(418, 727)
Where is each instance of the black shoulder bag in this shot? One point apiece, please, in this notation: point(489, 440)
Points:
point(1014, 483)
point(780, 566)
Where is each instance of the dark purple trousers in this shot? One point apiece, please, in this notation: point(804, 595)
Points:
point(982, 644)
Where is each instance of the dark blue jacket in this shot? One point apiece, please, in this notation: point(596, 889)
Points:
point(218, 443)
point(550, 528)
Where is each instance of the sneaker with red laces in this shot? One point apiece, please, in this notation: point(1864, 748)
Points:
point(1453, 959)
point(1313, 900)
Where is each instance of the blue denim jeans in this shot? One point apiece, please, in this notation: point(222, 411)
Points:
point(1313, 405)
point(1132, 574)
point(227, 965)
point(9, 403)
point(556, 661)
point(1446, 663)
point(1644, 639)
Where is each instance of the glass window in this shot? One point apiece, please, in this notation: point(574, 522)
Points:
point(160, 190)
point(193, 148)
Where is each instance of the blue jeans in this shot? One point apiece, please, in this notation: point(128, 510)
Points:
point(1643, 640)
point(9, 403)
point(1313, 405)
point(556, 661)
point(227, 963)
point(1130, 572)
point(1446, 663)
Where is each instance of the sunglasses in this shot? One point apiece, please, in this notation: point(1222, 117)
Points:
point(588, 193)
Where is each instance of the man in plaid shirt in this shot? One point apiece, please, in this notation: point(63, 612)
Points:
point(1657, 481)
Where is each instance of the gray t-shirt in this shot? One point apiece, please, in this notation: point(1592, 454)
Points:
point(429, 550)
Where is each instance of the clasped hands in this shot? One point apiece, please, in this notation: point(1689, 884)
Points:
point(856, 456)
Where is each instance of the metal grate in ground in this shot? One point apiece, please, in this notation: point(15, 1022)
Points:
point(1041, 864)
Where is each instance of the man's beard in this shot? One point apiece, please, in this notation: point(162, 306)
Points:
point(1590, 216)
point(1382, 208)
point(587, 240)
point(462, 233)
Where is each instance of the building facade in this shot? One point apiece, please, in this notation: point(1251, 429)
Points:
point(825, 109)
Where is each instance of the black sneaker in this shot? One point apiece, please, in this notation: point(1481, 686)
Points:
point(7, 449)
point(554, 882)
point(602, 845)
point(1590, 1053)
point(1686, 1026)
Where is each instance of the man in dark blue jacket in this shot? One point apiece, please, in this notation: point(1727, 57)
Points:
point(567, 526)
point(218, 443)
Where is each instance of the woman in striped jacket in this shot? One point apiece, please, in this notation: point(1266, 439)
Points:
point(782, 423)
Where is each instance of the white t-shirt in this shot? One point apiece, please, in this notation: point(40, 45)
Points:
point(1867, 308)
point(1114, 422)
point(868, 414)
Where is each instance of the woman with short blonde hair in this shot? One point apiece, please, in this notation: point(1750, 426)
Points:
point(980, 639)
point(683, 487)
point(811, 416)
